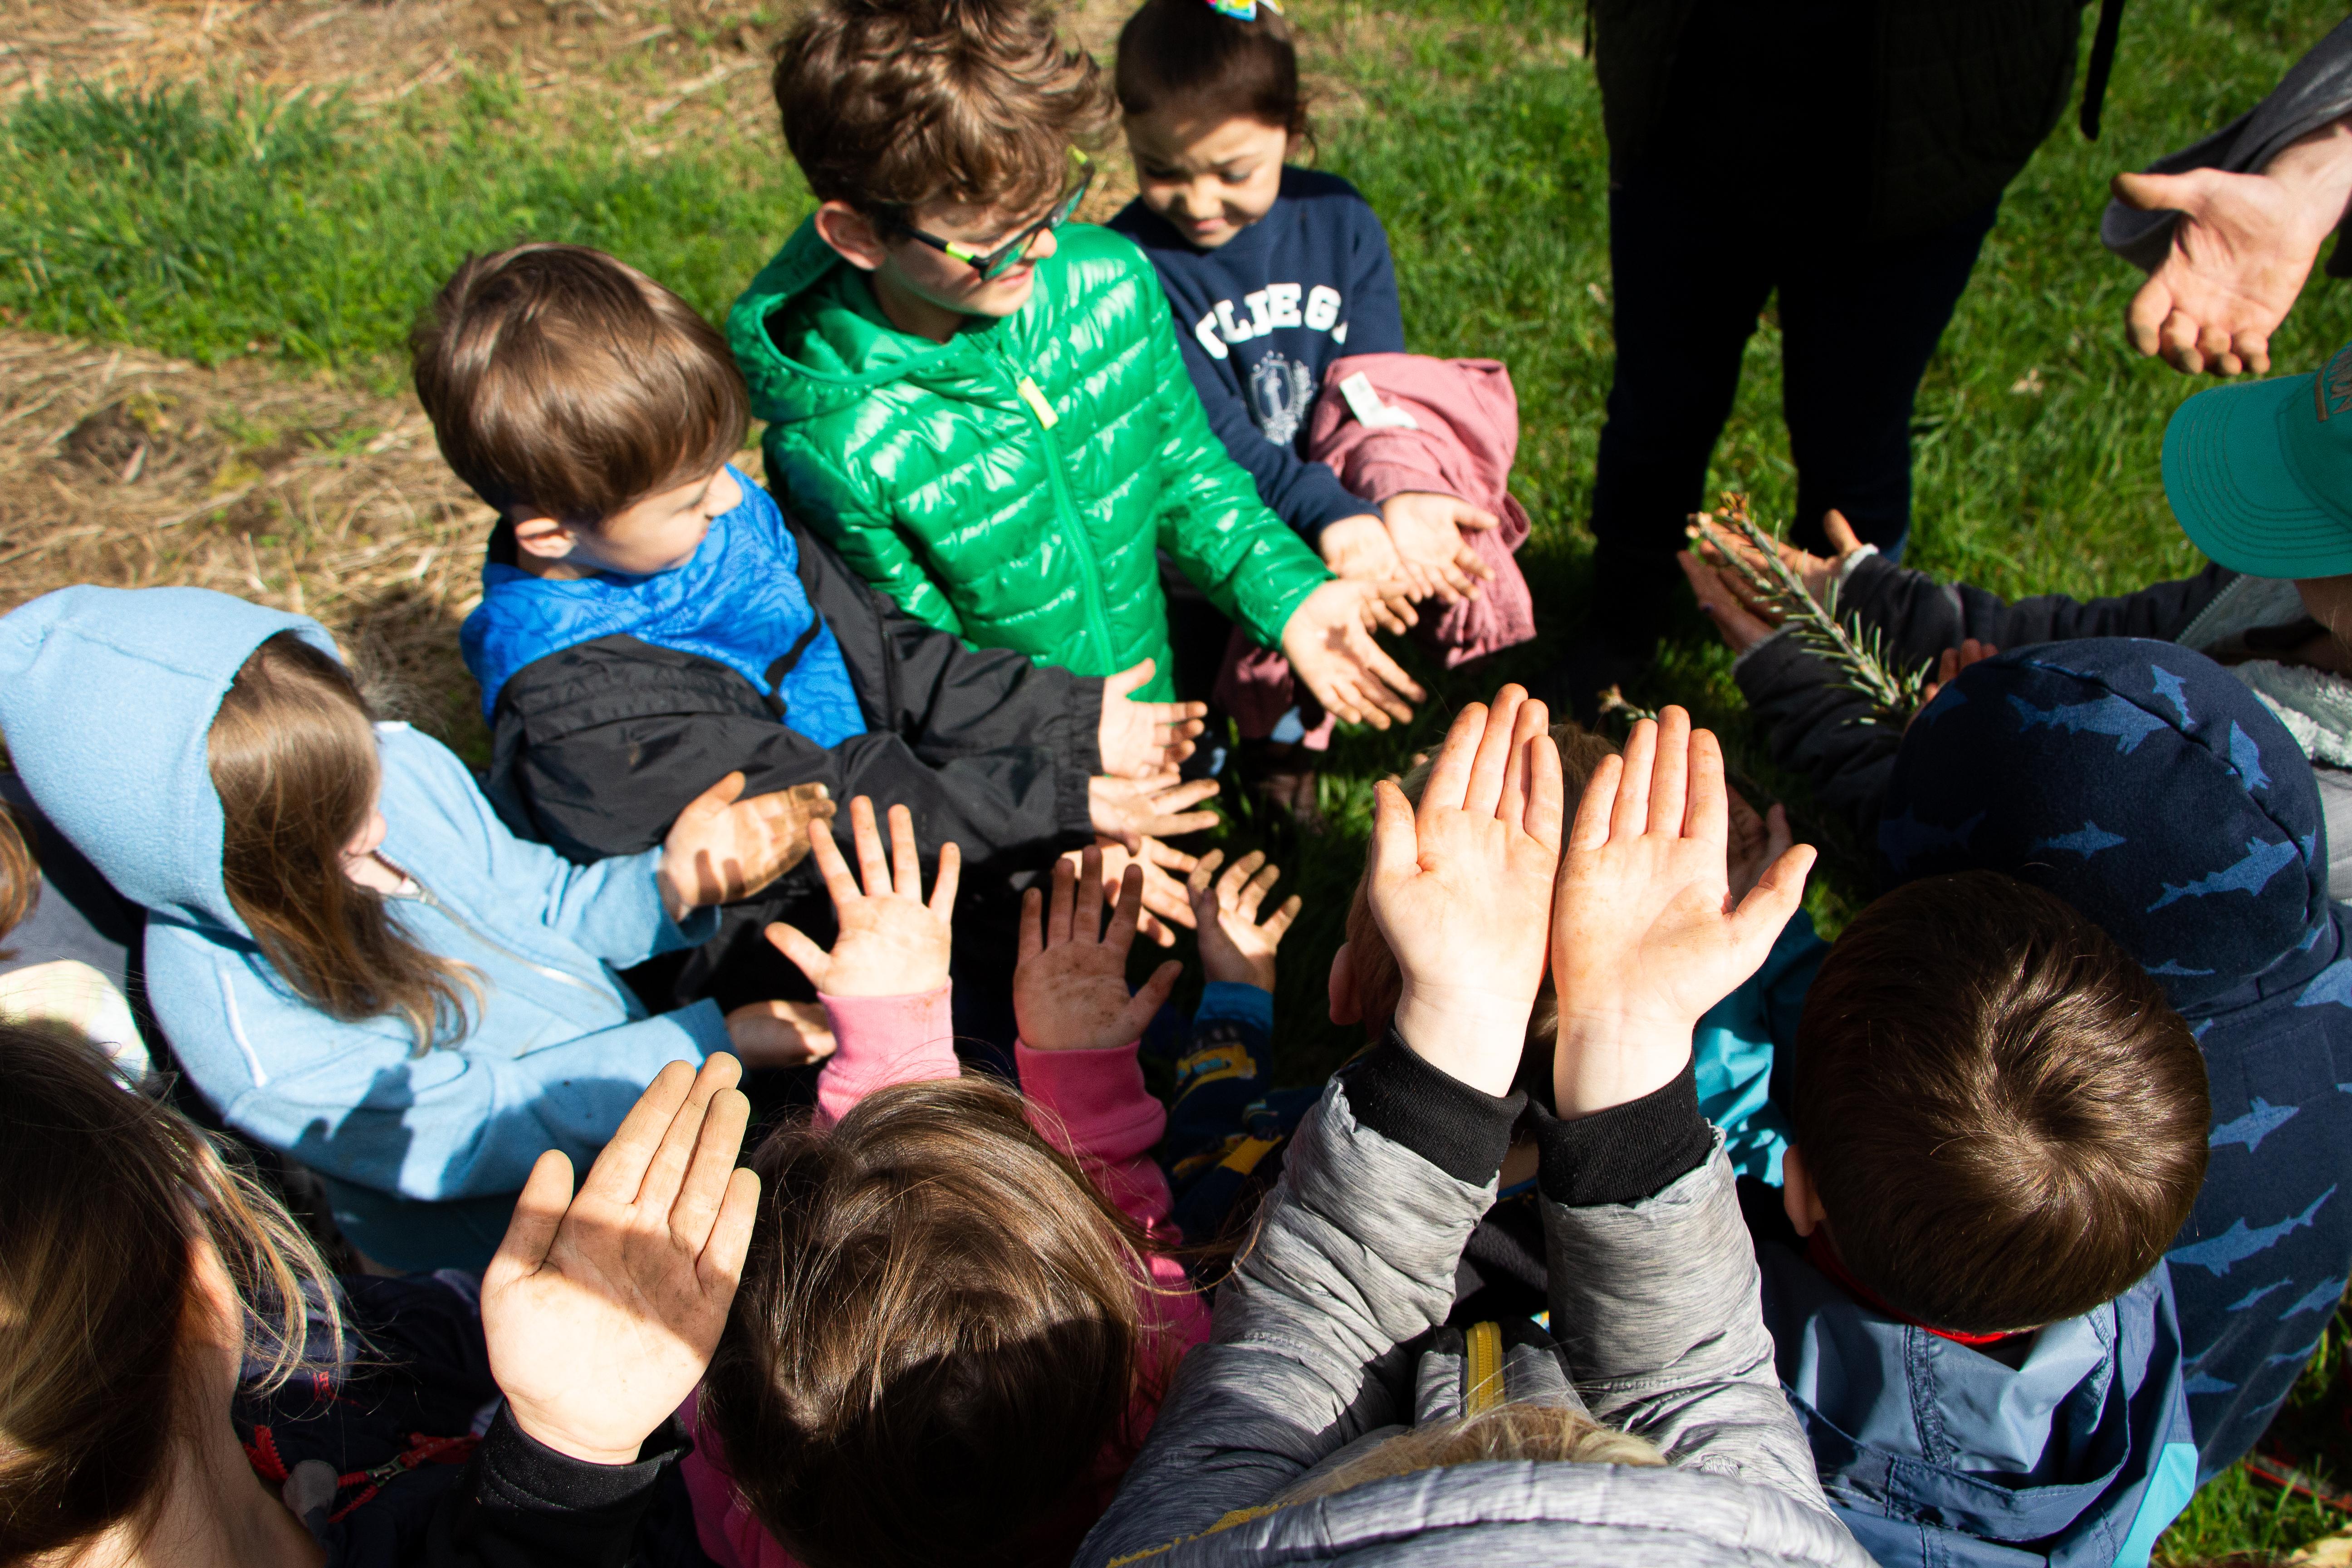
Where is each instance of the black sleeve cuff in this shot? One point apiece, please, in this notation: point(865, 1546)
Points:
point(1627, 1152)
point(1085, 723)
point(546, 1507)
point(1461, 1132)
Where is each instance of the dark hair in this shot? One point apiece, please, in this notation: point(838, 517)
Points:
point(1186, 54)
point(936, 1335)
point(294, 763)
point(888, 104)
point(559, 379)
point(104, 1198)
point(20, 875)
point(2003, 1121)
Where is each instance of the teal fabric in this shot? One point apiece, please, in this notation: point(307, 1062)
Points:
point(1733, 1046)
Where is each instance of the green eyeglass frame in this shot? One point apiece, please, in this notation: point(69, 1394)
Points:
point(995, 264)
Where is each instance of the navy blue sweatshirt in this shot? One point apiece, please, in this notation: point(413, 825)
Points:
point(1262, 316)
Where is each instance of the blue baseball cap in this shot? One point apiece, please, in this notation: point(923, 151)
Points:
point(2260, 474)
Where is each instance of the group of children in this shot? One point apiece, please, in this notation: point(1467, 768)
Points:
point(1645, 1227)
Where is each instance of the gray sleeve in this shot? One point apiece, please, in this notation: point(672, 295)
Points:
point(2315, 91)
point(1657, 1306)
point(1355, 1253)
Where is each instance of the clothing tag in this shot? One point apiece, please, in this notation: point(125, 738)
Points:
point(1037, 404)
point(1366, 406)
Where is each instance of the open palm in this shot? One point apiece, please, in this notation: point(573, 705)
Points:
point(890, 940)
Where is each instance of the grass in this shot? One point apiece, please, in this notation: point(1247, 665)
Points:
point(212, 224)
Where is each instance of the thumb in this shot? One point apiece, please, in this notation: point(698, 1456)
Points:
point(1843, 538)
point(2163, 193)
point(1145, 1005)
point(1477, 519)
point(537, 1214)
point(1132, 678)
point(794, 943)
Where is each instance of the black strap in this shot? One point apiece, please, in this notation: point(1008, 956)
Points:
point(2103, 62)
point(785, 663)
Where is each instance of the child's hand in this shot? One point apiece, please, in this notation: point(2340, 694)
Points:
point(1432, 555)
point(1740, 624)
point(1645, 935)
point(1164, 898)
point(1137, 739)
point(1714, 542)
point(1233, 947)
point(1330, 650)
point(1069, 990)
point(780, 1034)
point(1462, 889)
point(1131, 810)
point(891, 942)
point(602, 1310)
point(1948, 667)
point(1359, 550)
point(721, 848)
point(1755, 843)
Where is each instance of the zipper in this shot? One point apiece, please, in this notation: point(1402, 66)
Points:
point(424, 895)
point(1026, 394)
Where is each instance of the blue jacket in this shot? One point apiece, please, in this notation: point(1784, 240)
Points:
point(107, 696)
point(2146, 786)
point(1260, 317)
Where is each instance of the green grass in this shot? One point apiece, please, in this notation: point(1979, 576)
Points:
point(209, 227)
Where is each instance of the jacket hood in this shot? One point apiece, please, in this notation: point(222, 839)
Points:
point(2142, 784)
point(107, 698)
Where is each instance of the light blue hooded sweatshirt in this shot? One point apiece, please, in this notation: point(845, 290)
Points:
point(107, 700)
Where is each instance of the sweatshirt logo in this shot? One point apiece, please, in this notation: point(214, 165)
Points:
point(1282, 391)
point(1267, 311)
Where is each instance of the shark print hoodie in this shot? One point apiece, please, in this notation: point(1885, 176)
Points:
point(2149, 788)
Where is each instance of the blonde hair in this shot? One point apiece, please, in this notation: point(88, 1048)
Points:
point(1547, 1434)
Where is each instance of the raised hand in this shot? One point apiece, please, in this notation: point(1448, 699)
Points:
point(1137, 739)
point(1234, 947)
point(602, 1310)
point(721, 848)
point(1165, 901)
point(1131, 810)
point(1462, 889)
point(1069, 989)
point(1332, 651)
point(891, 941)
point(1644, 934)
point(2240, 253)
point(1426, 528)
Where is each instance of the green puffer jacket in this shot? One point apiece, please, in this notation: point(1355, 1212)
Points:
point(1010, 485)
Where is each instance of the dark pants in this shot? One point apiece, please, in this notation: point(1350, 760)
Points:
point(1858, 322)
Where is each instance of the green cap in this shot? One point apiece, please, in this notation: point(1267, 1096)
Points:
point(2260, 474)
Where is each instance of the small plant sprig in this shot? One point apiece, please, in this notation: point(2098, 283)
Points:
point(1615, 702)
point(1856, 652)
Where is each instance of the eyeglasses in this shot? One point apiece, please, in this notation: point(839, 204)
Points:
point(995, 264)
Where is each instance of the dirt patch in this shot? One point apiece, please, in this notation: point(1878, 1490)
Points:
point(132, 470)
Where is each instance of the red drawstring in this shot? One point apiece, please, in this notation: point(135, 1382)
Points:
point(1824, 1256)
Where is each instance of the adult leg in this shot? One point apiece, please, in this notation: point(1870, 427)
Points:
point(1858, 324)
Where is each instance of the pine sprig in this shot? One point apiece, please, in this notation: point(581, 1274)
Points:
point(1855, 651)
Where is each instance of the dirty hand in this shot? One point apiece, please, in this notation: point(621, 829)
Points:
point(1069, 988)
point(890, 940)
point(1362, 550)
point(1131, 810)
point(1234, 948)
point(1426, 529)
point(1136, 739)
point(1330, 649)
point(721, 848)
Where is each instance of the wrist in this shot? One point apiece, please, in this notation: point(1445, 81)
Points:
point(1605, 1060)
point(674, 900)
point(2317, 172)
point(589, 1448)
point(1238, 971)
point(1466, 1032)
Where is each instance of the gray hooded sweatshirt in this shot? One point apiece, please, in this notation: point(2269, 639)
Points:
point(1329, 1337)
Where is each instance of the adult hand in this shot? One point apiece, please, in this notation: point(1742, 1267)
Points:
point(1330, 649)
point(780, 1034)
point(1131, 810)
point(721, 848)
point(889, 941)
point(1462, 889)
point(1948, 667)
point(2240, 253)
point(1137, 740)
point(1644, 934)
point(1426, 528)
point(602, 1310)
point(1360, 550)
point(1234, 948)
point(1069, 988)
point(1165, 901)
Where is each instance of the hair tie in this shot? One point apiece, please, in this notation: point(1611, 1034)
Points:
point(1242, 10)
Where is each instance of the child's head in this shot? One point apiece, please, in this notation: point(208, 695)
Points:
point(936, 1334)
point(592, 407)
point(293, 759)
point(1212, 109)
point(1365, 982)
point(938, 136)
point(1998, 1118)
point(138, 1273)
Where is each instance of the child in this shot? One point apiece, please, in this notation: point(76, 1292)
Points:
point(1332, 1419)
point(174, 1383)
point(982, 405)
point(649, 621)
point(2160, 799)
point(354, 962)
point(68, 943)
point(1999, 1126)
point(959, 1311)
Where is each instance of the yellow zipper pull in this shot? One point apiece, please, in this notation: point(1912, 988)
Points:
point(1035, 399)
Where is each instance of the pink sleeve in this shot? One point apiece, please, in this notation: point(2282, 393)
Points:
point(882, 1040)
